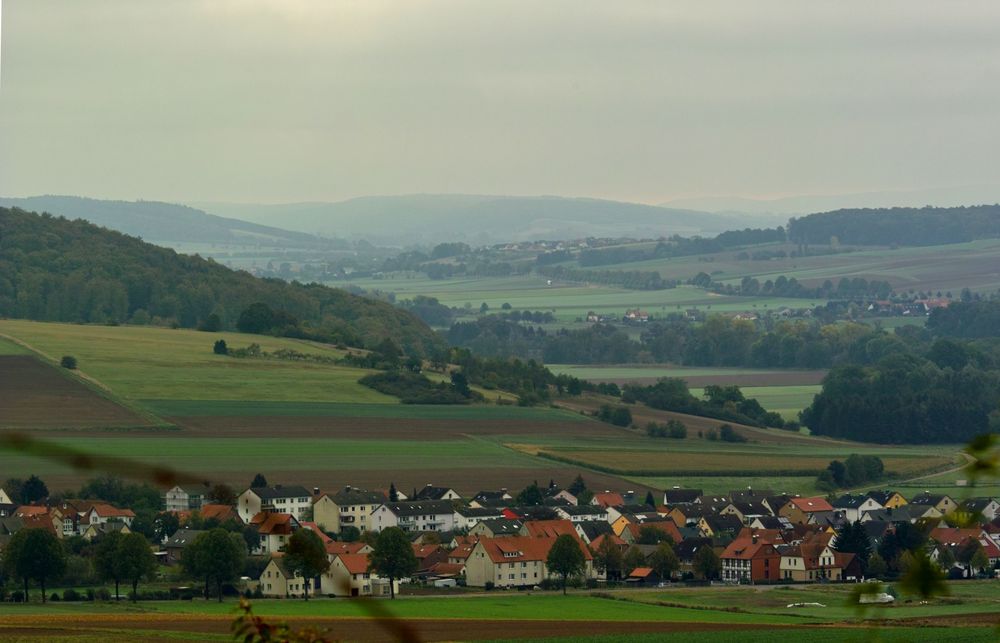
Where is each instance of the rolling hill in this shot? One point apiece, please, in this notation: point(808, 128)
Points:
point(477, 219)
point(165, 223)
point(54, 269)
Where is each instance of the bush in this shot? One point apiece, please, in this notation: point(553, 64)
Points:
point(676, 429)
point(71, 595)
point(90, 594)
point(68, 361)
point(728, 434)
point(103, 594)
point(17, 596)
point(489, 586)
point(55, 597)
point(220, 348)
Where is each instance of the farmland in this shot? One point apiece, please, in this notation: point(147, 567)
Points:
point(759, 614)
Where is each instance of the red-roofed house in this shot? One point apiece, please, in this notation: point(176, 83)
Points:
point(608, 499)
point(747, 561)
point(339, 547)
point(222, 513)
point(349, 576)
point(633, 531)
point(274, 530)
point(549, 528)
point(800, 510)
point(514, 561)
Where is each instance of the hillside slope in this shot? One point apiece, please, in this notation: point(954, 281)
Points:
point(165, 222)
point(477, 219)
point(53, 269)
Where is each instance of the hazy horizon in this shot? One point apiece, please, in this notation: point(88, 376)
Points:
point(307, 101)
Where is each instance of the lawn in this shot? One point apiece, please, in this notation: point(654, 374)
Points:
point(786, 400)
point(156, 363)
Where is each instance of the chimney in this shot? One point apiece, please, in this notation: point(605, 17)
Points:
point(315, 491)
point(754, 539)
point(347, 487)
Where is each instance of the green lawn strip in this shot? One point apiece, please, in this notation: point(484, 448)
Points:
point(813, 635)
point(505, 607)
point(8, 347)
point(718, 485)
point(257, 408)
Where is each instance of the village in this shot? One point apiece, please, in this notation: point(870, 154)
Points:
point(499, 540)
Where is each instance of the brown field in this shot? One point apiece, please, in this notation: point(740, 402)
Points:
point(684, 461)
point(386, 428)
point(36, 395)
point(145, 627)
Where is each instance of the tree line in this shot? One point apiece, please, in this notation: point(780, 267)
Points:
point(897, 226)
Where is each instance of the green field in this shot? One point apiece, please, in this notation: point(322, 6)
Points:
point(656, 371)
point(141, 363)
point(568, 301)
point(786, 400)
point(755, 614)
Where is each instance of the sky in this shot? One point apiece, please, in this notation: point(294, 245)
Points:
point(313, 100)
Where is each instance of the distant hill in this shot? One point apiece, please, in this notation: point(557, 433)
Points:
point(477, 219)
point(898, 226)
point(808, 203)
point(55, 269)
point(164, 222)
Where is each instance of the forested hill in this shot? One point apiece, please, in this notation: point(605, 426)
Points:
point(898, 226)
point(54, 269)
point(165, 222)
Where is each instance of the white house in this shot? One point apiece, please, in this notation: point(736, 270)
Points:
point(294, 499)
point(433, 515)
point(855, 506)
point(349, 507)
point(180, 498)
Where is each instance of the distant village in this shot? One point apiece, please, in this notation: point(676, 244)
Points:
point(494, 539)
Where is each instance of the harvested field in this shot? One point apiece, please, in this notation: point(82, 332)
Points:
point(389, 428)
point(666, 462)
point(35, 395)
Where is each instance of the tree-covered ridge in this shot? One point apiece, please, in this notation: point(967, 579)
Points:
point(897, 226)
point(53, 269)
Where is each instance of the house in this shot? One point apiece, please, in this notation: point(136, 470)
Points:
point(184, 498)
point(774, 523)
point(100, 513)
point(687, 551)
point(811, 561)
point(348, 575)
point(799, 510)
point(775, 503)
point(745, 510)
point(591, 530)
point(517, 561)
point(415, 515)
point(430, 492)
point(919, 511)
point(749, 561)
point(678, 496)
point(636, 315)
point(583, 513)
point(98, 529)
point(608, 499)
point(725, 527)
point(339, 547)
point(668, 528)
point(349, 507)
point(943, 503)
point(278, 581)
point(888, 499)
point(293, 499)
point(549, 529)
point(273, 530)
point(219, 513)
point(491, 499)
point(174, 545)
point(498, 528)
point(985, 508)
point(468, 517)
point(855, 505)
point(644, 576)
point(5, 498)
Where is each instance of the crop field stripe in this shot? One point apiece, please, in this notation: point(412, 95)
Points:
point(237, 408)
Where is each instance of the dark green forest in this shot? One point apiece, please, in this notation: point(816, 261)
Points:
point(54, 269)
point(897, 226)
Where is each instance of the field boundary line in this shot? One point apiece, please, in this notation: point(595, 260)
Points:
point(93, 384)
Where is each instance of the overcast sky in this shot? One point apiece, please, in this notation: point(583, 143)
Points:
point(296, 100)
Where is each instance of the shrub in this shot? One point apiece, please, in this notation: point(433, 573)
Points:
point(55, 597)
point(220, 348)
point(489, 586)
point(728, 434)
point(676, 429)
point(17, 596)
point(71, 595)
point(103, 594)
point(68, 361)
